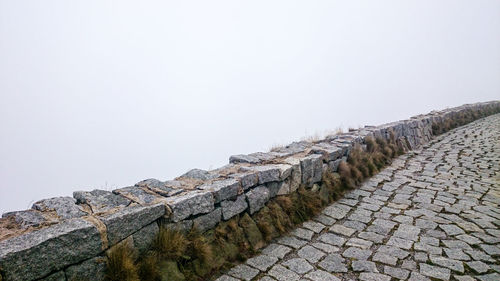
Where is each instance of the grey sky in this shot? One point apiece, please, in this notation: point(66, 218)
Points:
point(102, 94)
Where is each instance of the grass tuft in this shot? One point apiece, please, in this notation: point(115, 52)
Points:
point(120, 264)
point(148, 268)
point(170, 243)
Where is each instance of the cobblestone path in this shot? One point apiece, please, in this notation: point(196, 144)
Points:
point(434, 214)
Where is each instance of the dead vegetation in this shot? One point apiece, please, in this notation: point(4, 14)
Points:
point(121, 263)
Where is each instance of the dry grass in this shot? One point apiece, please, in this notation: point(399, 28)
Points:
point(148, 268)
point(120, 264)
point(198, 246)
point(170, 243)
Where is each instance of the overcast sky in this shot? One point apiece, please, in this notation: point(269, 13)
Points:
point(102, 94)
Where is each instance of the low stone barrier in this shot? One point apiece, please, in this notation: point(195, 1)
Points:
point(66, 238)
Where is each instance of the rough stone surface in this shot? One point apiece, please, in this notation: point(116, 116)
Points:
point(29, 256)
point(208, 221)
point(65, 207)
point(257, 198)
point(192, 203)
point(91, 269)
point(231, 208)
point(100, 200)
point(223, 189)
point(144, 237)
point(126, 221)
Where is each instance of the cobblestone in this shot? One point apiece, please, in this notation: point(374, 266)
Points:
point(433, 214)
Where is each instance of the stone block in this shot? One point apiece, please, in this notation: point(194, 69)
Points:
point(208, 221)
point(58, 276)
point(145, 237)
point(199, 174)
point(36, 254)
point(89, 270)
point(231, 208)
point(190, 203)
point(223, 189)
point(312, 169)
point(65, 207)
point(100, 200)
point(266, 173)
point(257, 198)
point(127, 221)
point(27, 218)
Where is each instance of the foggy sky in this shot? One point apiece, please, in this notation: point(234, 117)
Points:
point(102, 94)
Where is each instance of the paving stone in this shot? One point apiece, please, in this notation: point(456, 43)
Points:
point(400, 243)
point(320, 275)
point(310, 253)
point(332, 239)
point(244, 272)
point(357, 253)
point(489, 277)
point(410, 265)
point(396, 272)
point(454, 265)
point(456, 254)
point(303, 233)
point(359, 226)
point(364, 276)
point(384, 258)
point(363, 265)
point(456, 244)
point(478, 266)
point(451, 229)
point(314, 226)
point(408, 232)
point(464, 278)
point(326, 220)
point(226, 278)
point(372, 236)
point(262, 262)
point(282, 274)
point(490, 249)
point(298, 265)
point(292, 242)
point(340, 229)
point(428, 248)
point(360, 243)
point(276, 250)
point(469, 239)
point(336, 211)
point(333, 263)
point(327, 248)
point(403, 219)
point(434, 271)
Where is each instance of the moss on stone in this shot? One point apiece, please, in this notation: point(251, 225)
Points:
point(265, 223)
point(169, 271)
point(252, 232)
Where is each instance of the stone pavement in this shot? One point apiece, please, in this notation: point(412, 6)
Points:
point(434, 214)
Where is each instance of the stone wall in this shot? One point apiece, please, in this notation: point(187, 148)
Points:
point(66, 238)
